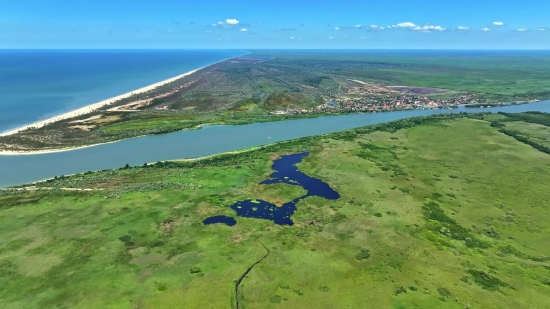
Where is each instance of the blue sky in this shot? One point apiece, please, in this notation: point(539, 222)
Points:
point(239, 24)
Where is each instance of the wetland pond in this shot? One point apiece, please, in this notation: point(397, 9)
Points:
point(220, 219)
point(286, 172)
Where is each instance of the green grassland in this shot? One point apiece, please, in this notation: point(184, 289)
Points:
point(438, 212)
point(498, 75)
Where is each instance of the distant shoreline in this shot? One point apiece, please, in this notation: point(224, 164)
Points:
point(94, 107)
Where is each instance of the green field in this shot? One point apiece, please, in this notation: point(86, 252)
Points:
point(438, 212)
point(496, 74)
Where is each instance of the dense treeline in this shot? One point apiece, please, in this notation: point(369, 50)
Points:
point(525, 140)
point(531, 117)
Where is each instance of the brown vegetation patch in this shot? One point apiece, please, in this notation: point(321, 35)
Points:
point(276, 100)
point(37, 264)
point(417, 90)
point(149, 259)
point(167, 225)
point(144, 274)
point(138, 251)
point(106, 119)
point(74, 232)
point(366, 88)
point(28, 200)
point(106, 184)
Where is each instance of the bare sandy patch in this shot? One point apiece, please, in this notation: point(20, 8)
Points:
point(87, 119)
point(83, 127)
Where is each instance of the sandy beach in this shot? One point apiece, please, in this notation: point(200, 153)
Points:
point(91, 108)
point(36, 152)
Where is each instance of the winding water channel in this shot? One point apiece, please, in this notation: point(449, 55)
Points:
point(20, 169)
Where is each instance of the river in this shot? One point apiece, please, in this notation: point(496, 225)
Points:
point(21, 169)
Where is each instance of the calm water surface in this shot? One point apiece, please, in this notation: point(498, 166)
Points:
point(21, 169)
point(220, 219)
point(39, 84)
point(287, 172)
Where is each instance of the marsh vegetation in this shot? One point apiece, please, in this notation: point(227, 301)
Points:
point(434, 212)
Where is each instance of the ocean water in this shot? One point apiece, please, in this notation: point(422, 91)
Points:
point(38, 84)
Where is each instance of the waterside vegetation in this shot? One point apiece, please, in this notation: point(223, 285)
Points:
point(427, 218)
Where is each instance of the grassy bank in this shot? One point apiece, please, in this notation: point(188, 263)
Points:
point(435, 212)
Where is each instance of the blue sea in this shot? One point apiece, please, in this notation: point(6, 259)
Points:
point(38, 84)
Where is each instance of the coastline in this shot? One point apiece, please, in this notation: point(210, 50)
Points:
point(37, 152)
point(92, 108)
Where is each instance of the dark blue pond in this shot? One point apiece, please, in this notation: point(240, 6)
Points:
point(287, 172)
point(220, 219)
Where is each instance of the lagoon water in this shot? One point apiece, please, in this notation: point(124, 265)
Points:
point(220, 219)
point(38, 84)
point(287, 172)
point(22, 169)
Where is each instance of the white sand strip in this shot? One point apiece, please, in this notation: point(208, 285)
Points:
point(93, 107)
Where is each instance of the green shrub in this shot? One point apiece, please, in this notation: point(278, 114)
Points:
point(444, 292)
point(195, 270)
point(485, 280)
point(363, 255)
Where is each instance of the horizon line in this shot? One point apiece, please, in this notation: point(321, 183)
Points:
point(244, 48)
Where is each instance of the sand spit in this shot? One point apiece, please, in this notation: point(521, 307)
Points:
point(93, 107)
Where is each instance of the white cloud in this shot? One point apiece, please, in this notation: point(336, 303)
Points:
point(357, 26)
point(428, 28)
point(498, 23)
point(412, 26)
point(522, 29)
point(228, 23)
point(544, 28)
point(244, 30)
point(406, 24)
point(375, 27)
point(292, 38)
point(463, 28)
point(330, 37)
point(485, 29)
point(337, 28)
